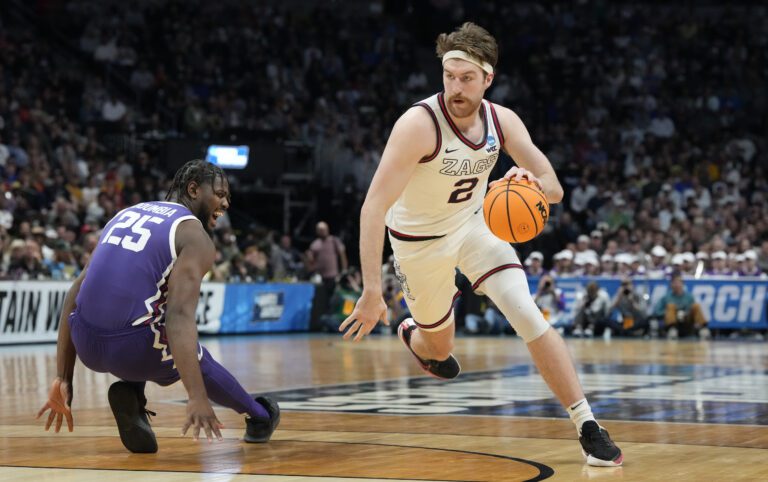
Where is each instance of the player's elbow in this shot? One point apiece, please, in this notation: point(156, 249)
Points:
point(179, 318)
point(555, 194)
point(373, 208)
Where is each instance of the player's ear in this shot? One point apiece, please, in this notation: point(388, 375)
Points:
point(193, 189)
point(489, 79)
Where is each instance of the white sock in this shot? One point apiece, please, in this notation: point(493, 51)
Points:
point(580, 412)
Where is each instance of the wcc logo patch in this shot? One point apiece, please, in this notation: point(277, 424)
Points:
point(491, 142)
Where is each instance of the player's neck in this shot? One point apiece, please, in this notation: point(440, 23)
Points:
point(466, 124)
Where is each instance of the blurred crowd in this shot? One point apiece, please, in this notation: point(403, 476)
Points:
point(654, 117)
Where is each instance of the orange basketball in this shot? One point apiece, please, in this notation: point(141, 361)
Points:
point(516, 211)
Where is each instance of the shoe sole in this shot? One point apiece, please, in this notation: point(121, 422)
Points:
point(135, 435)
point(418, 360)
point(595, 462)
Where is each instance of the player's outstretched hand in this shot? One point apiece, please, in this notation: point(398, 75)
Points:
point(517, 174)
point(59, 400)
point(200, 415)
point(369, 309)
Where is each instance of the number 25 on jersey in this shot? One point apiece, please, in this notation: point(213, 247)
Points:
point(135, 222)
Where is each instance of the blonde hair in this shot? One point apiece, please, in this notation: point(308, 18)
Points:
point(472, 39)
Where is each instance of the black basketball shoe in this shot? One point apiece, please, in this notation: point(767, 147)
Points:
point(128, 405)
point(258, 430)
point(597, 446)
point(442, 369)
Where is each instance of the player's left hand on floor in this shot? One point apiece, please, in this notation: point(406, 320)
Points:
point(200, 415)
point(368, 311)
point(59, 398)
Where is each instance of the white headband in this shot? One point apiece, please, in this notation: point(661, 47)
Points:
point(460, 54)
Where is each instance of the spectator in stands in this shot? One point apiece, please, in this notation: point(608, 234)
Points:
point(26, 261)
point(583, 247)
point(719, 265)
point(343, 300)
point(533, 264)
point(113, 109)
point(607, 265)
point(397, 308)
point(256, 264)
point(624, 264)
point(329, 257)
point(591, 311)
point(689, 263)
point(563, 267)
point(580, 197)
point(591, 266)
point(630, 308)
point(734, 262)
point(681, 314)
point(64, 265)
point(762, 256)
point(291, 259)
point(549, 298)
point(596, 241)
point(658, 268)
point(702, 258)
point(750, 265)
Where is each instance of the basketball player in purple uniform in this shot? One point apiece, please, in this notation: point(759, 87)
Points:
point(427, 193)
point(131, 313)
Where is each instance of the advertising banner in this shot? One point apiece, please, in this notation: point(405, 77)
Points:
point(258, 308)
point(30, 310)
point(725, 302)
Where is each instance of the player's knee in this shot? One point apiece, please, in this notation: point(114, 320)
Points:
point(530, 326)
point(509, 291)
point(522, 313)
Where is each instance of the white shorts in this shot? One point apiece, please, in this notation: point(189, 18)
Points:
point(426, 268)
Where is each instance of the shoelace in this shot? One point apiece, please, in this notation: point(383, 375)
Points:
point(601, 437)
point(150, 414)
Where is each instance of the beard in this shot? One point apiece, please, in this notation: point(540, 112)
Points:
point(464, 109)
point(205, 215)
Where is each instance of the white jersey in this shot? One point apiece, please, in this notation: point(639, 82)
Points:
point(448, 186)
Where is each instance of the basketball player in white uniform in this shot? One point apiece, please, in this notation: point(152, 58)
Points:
point(427, 193)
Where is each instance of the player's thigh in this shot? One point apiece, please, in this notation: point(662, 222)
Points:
point(494, 269)
point(427, 276)
point(482, 255)
point(145, 356)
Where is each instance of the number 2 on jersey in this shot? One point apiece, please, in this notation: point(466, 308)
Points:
point(135, 221)
point(464, 193)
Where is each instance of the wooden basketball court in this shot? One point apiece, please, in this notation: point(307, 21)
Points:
point(679, 410)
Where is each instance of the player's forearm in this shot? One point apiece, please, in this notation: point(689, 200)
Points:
point(552, 188)
point(182, 337)
point(66, 353)
point(371, 245)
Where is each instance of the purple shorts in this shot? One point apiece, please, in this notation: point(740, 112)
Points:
point(135, 354)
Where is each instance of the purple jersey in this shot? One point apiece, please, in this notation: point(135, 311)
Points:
point(127, 278)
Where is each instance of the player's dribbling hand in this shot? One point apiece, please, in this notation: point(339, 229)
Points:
point(200, 414)
point(59, 399)
point(369, 309)
point(518, 174)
